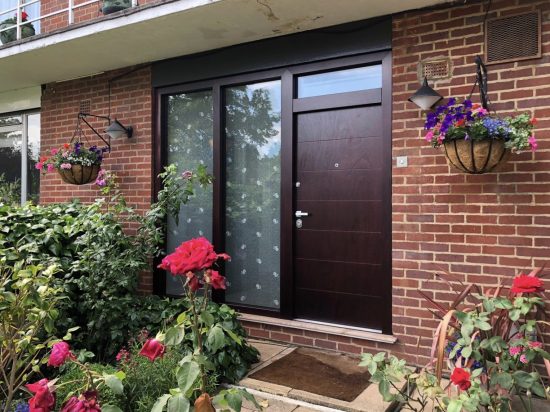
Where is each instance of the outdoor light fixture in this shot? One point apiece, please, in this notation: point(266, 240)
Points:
point(425, 97)
point(116, 130)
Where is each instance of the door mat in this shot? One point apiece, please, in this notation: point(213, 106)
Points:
point(333, 375)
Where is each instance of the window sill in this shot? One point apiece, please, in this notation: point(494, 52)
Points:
point(320, 328)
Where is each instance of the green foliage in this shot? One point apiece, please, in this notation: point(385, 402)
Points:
point(10, 192)
point(27, 30)
point(28, 300)
point(99, 259)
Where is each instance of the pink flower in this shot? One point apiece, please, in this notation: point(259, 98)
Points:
point(429, 136)
point(54, 152)
point(66, 166)
point(152, 349)
point(187, 175)
point(533, 143)
point(61, 351)
point(39, 166)
point(523, 359)
point(535, 345)
point(123, 356)
point(51, 167)
point(515, 350)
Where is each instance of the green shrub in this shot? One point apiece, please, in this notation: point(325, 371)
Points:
point(100, 261)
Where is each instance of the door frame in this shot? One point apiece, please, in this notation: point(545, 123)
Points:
point(288, 76)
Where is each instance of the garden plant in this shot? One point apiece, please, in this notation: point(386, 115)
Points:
point(491, 341)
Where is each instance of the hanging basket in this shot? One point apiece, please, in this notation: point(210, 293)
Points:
point(476, 156)
point(79, 175)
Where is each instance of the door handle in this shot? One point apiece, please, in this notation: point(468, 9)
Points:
point(299, 213)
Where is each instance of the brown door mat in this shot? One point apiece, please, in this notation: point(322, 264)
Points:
point(333, 375)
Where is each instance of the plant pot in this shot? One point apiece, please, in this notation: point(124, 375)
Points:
point(27, 30)
point(79, 175)
point(476, 156)
point(112, 6)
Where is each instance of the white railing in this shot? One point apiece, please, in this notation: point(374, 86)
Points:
point(25, 4)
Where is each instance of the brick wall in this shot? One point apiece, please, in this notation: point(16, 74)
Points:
point(131, 160)
point(81, 14)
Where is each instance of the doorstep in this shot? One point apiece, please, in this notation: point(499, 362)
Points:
point(336, 330)
point(282, 398)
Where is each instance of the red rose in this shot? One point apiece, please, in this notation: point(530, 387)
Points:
point(152, 349)
point(60, 353)
point(191, 256)
point(44, 399)
point(216, 280)
point(85, 403)
point(527, 284)
point(193, 282)
point(461, 378)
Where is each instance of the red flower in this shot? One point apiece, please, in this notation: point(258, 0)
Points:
point(534, 121)
point(44, 399)
point(66, 146)
point(193, 282)
point(152, 349)
point(461, 378)
point(24, 16)
point(527, 284)
point(61, 351)
point(460, 122)
point(191, 256)
point(43, 159)
point(216, 280)
point(85, 403)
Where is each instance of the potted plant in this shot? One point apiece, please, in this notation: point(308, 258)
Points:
point(7, 36)
point(75, 164)
point(112, 6)
point(476, 141)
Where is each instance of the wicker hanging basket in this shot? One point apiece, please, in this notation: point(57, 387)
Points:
point(476, 156)
point(79, 175)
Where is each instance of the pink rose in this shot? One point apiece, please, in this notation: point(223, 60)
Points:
point(61, 351)
point(152, 349)
point(86, 402)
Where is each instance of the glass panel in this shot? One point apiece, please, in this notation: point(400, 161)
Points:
point(8, 18)
point(253, 140)
point(190, 142)
point(33, 155)
point(341, 81)
point(11, 141)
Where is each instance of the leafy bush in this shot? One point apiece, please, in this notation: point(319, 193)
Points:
point(28, 300)
point(99, 259)
point(9, 191)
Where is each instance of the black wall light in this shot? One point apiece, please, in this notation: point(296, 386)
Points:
point(425, 97)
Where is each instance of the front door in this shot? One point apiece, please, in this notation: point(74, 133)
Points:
point(342, 207)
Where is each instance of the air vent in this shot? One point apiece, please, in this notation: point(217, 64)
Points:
point(513, 38)
point(85, 106)
point(435, 69)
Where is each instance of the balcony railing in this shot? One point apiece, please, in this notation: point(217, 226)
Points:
point(24, 18)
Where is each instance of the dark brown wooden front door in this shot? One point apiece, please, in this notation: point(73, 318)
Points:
point(343, 183)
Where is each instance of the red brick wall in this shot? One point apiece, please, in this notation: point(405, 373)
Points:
point(81, 14)
point(130, 159)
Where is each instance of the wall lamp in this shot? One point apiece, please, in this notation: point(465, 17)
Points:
point(115, 130)
point(425, 97)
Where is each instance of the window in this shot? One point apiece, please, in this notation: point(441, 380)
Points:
point(19, 152)
point(8, 17)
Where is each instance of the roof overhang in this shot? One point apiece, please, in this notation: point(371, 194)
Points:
point(175, 28)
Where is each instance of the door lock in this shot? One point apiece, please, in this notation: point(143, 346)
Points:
point(299, 213)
